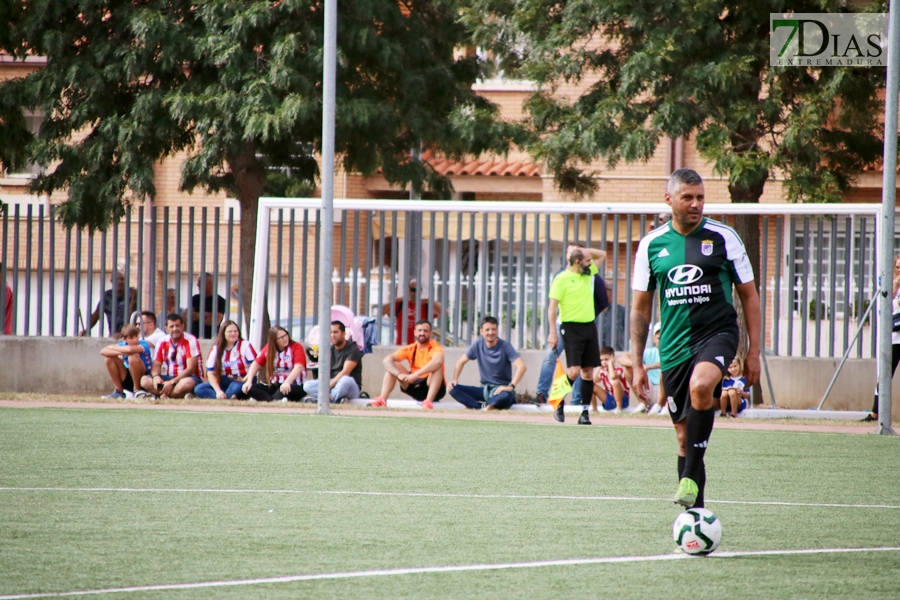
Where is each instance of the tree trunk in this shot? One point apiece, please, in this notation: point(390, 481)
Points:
point(747, 226)
point(249, 178)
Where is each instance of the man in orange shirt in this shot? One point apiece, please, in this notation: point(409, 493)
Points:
point(424, 379)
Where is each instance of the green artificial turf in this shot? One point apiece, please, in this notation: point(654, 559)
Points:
point(419, 494)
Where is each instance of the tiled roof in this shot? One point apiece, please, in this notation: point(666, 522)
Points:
point(496, 167)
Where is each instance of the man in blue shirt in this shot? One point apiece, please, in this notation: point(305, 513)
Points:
point(495, 358)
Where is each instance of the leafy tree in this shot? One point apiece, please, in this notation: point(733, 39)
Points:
point(237, 85)
point(676, 68)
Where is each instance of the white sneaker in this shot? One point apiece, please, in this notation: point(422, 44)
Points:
point(655, 409)
point(617, 411)
point(640, 408)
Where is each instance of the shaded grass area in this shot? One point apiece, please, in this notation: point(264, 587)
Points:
point(59, 540)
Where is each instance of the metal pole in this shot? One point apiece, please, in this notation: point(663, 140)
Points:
point(888, 201)
point(326, 216)
point(849, 349)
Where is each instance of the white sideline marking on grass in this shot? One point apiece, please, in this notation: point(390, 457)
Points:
point(429, 495)
point(444, 569)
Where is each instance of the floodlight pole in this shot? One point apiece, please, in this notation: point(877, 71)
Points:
point(326, 215)
point(888, 204)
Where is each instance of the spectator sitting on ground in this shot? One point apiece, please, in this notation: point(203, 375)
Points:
point(123, 308)
point(495, 357)
point(176, 363)
point(424, 379)
point(653, 394)
point(227, 365)
point(171, 307)
point(212, 314)
point(611, 384)
point(149, 331)
point(409, 317)
point(284, 364)
point(122, 371)
point(346, 368)
point(733, 392)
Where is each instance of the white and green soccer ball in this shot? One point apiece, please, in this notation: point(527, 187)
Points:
point(697, 531)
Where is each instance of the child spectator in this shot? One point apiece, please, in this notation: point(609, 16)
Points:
point(733, 389)
point(610, 383)
point(284, 364)
point(122, 371)
point(227, 365)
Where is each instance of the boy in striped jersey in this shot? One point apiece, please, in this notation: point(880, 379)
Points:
point(694, 262)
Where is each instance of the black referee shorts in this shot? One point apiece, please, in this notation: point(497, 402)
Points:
point(581, 343)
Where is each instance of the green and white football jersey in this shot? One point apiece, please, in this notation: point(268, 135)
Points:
point(694, 274)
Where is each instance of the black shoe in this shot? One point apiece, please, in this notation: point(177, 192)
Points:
point(539, 398)
point(870, 417)
point(560, 413)
point(584, 419)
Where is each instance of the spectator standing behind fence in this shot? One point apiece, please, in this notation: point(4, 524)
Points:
point(282, 367)
point(149, 331)
point(115, 296)
point(171, 307)
point(127, 362)
point(424, 379)
point(572, 299)
point(8, 309)
point(213, 308)
point(346, 368)
point(227, 365)
point(895, 336)
point(495, 358)
point(176, 363)
point(411, 315)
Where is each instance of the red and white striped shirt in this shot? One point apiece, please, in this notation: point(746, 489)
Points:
point(173, 357)
point(234, 361)
point(607, 384)
point(284, 362)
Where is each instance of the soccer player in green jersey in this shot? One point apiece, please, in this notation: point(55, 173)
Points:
point(693, 261)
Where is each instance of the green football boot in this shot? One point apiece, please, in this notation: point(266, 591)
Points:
point(687, 492)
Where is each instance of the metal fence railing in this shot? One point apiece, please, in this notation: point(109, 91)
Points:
point(817, 271)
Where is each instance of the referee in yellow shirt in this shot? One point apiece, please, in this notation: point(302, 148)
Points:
point(571, 295)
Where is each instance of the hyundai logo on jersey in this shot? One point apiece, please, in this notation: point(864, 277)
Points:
point(685, 274)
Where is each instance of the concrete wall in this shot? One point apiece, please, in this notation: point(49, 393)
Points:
point(48, 365)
